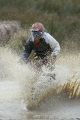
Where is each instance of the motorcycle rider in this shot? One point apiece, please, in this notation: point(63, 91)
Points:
point(43, 44)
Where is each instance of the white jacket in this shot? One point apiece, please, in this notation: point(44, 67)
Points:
point(52, 42)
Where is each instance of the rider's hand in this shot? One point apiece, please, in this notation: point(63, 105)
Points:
point(53, 58)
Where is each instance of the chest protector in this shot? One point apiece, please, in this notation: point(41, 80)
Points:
point(42, 48)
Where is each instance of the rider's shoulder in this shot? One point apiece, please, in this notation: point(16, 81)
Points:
point(30, 39)
point(47, 36)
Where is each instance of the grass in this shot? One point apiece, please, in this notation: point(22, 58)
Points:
point(60, 17)
point(18, 40)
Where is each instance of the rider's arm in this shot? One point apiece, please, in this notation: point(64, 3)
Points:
point(27, 50)
point(53, 44)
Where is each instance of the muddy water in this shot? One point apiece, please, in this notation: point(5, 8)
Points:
point(21, 88)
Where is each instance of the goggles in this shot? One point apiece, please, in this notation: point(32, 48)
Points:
point(37, 34)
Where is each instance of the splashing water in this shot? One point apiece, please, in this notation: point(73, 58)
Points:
point(23, 87)
point(67, 81)
point(13, 77)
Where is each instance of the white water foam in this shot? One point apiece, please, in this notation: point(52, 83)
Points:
point(21, 85)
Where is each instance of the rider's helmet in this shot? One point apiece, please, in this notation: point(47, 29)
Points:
point(37, 30)
point(38, 27)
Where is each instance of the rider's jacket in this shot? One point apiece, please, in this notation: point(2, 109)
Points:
point(47, 45)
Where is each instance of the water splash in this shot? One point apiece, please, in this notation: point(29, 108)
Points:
point(67, 82)
point(34, 87)
point(13, 74)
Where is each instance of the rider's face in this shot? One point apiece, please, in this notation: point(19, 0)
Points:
point(37, 34)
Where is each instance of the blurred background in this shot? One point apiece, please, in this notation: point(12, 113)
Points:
point(61, 18)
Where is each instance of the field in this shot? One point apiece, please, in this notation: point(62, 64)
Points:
point(60, 17)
